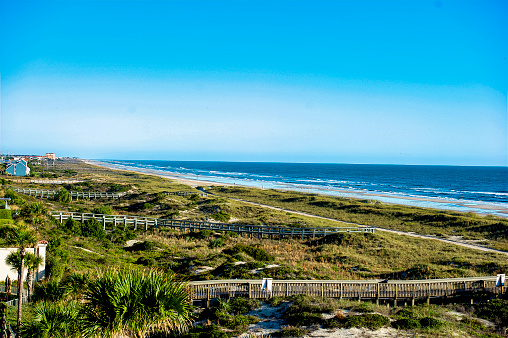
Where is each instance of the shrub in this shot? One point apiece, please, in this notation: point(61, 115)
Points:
point(230, 234)
point(303, 303)
point(291, 331)
point(15, 199)
point(472, 323)
point(62, 196)
point(113, 187)
point(240, 305)
point(495, 310)
point(119, 236)
point(208, 331)
point(72, 226)
point(5, 214)
point(216, 243)
point(221, 216)
point(102, 210)
point(256, 253)
point(146, 261)
point(54, 267)
point(407, 324)
point(143, 246)
point(304, 319)
point(92, 228)
point(364, 308)
point(372, 321)
point(147, 206)
point(34, 209)
point(49, 290)
point(431, 323)
point(204, 234)
point(275, 300)
point(238, 322)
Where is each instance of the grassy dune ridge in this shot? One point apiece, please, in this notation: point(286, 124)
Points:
point(374, 213)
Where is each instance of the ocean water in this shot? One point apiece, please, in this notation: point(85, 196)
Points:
point(476, 189)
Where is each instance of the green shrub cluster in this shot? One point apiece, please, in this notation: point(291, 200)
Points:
point(5, 214)
point(62, 196)
point(305, 310)
point(241, 305)
point(238, 323)
point(221, 216)
point(407, 324)
point(371, 321)
point(144, 246)
point(91, 228)
point(198, 331)
point(103, 210)
point(291, 331)
point(119, 236)
point(256, 253)
point(472, 323)
point(495, 310)
point(216, 243)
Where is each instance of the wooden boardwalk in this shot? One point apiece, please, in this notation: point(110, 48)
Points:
point(184, 193)
point(75, 195)
point(405, 291)
point(43, 181)
point(149, 223)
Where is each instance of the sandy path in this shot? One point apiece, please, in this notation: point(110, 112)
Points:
point(467, 245)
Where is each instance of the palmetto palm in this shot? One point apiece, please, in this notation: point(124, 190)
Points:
point(21, 236)
point(32, 262)
point(135, 303)
point(53, 320)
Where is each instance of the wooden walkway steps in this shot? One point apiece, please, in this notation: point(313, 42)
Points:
point(407, 291)
point(75, 195)
point(146, 223)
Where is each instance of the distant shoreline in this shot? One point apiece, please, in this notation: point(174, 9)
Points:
point(470, 206)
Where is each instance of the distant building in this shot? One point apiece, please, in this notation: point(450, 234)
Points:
point(18, 168)
point(51, 156)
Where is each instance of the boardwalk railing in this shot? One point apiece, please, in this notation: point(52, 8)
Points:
point(76, 195)
point(401, 290)
point(184, 193)
point(252, 230)
point(43, 181)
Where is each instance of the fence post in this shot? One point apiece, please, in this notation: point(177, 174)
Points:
point(428, 293)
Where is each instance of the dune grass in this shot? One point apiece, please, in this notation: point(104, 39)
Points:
point(374, 213)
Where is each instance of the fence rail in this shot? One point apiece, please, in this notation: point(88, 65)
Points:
point(43, 181)
point(260, 231)
point(377, 290)
point(184, 193)
point(76, 195)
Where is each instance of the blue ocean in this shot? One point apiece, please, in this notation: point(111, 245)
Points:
point(476, 189)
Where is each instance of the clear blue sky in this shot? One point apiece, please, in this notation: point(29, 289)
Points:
point(403, 82)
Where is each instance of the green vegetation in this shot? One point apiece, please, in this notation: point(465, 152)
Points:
point(62, 196)
point(398, 217)
point(133, 303)
point(256, 253)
